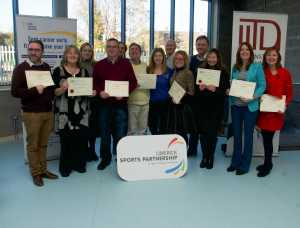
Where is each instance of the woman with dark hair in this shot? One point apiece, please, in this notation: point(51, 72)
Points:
point(88, 62)
point(159, 96)
point(180, 118)
point(279, 84)
point(71, 114)
point(210, 102)
point(244, 111)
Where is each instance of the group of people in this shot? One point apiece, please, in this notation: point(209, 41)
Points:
point(198, 115)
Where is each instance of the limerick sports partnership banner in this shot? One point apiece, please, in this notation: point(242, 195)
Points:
point(150, 157)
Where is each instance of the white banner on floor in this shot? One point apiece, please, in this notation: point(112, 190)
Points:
point(56, 34)
point(150, 157)
point(261, 30)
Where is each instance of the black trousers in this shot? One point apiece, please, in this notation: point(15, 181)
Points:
point(208, 144)
point(158, 117)
point(268, 147)
point(73, 150)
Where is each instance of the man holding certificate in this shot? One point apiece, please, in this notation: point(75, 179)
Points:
point(114, 79)
point(196, 61)
point(245, 106)
point(138, 102)
point(271, 119)
point(36, 103)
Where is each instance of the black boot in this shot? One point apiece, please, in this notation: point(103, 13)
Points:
point(203, 163)
point(210, 163)
point(265, 171)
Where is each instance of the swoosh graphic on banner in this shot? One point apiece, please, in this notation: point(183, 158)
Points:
point(70, 34)
point(174, 141)
point(174, 168)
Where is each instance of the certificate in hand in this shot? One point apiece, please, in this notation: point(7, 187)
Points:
point(117, 88)
point(146, 81)
point(208, 77)
point(242, 89)
point(270, 103)
point(80, 87)
point(176, 92)
point(36, 77)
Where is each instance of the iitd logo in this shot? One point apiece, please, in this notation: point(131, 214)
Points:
point(251, 27)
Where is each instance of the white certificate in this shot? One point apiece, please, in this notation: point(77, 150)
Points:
point(117, 88)
point(242, 89)
point(270, 103)
point(37, 77)
point(208, 77)
point(146, 81)
point(80, 87)
point(176, 92)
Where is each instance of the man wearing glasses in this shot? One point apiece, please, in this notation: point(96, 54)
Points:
point(113, 111)
point(36, 104)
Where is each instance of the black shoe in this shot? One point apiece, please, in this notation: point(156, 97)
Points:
point(203, 163)
point(260, 167)
point(65, 174)
point(80, 170)
point(231, 169)
point(240, 172)
point(264, 172)
point(210, 163)
point(102, 165)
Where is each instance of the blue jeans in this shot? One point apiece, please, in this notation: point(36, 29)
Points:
point(243, 122)
point(113, 121)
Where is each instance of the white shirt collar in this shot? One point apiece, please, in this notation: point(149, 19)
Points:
point(33, 64)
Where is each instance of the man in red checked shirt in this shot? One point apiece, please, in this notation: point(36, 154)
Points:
point(113, 112)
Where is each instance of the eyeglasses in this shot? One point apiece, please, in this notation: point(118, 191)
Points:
point(34, 50)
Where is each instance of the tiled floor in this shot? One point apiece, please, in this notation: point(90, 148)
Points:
point(201, 199)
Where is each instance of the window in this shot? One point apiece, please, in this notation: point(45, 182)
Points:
point(182, 22)
point(200, 20)
point(7, 58)
point(137, 25)
point(78, 9)
point(162, 22)
point(37, 8)
point(107, 24)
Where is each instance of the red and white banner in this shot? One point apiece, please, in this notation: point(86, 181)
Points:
point(261, 30)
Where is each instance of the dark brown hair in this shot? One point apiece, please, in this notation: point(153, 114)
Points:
point(151, 67)
point(239, 63)
point(202, 37)
point(39, 42)
point(268, 50)
point(219, 65)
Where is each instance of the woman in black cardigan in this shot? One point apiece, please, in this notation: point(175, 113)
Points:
point(210, 111)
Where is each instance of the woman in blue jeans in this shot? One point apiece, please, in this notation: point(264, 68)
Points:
point(244, 111)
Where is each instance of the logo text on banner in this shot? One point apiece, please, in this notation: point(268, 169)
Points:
point(151, 157)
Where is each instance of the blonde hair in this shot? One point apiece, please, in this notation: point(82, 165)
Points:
point(68, 48)
point(86, 44)
point(185, 57)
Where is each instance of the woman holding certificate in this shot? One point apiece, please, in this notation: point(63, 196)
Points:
point(248, 85)
point(71, 114)
point(210, 100)
point(88, 62)
point(180, 118)
point(159, 96)
point(279, 87)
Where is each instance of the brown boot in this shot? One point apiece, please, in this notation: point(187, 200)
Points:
point(49, 175)
point(38, 181)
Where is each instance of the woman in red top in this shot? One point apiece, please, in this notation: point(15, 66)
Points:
point(279, 84)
